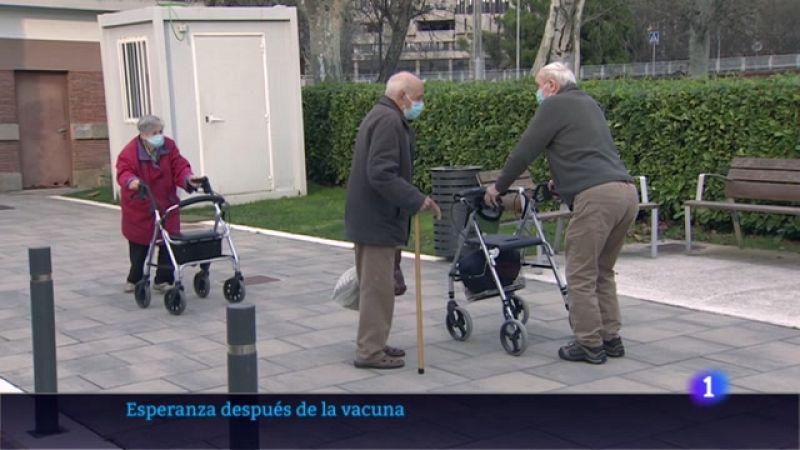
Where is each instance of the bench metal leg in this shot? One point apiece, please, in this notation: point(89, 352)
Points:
point(539, 260)
point(654, 232)
point(559, 233)
point(688, 219)
point(737, 228)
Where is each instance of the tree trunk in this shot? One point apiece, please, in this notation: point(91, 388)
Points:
point(326, 28)
point(700, 17)
point(346, 47)
point(576, 38)
point(561, 40)
point(402, 18)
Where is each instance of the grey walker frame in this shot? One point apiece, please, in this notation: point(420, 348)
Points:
point(528, 233)
point(174, 298)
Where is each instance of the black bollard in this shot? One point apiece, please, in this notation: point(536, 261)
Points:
point(242, 372)
point(43, 324)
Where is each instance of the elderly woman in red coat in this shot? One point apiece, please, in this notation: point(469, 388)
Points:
point(155, 160)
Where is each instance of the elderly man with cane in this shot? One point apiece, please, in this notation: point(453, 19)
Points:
point(592, 180)
point(379, 205)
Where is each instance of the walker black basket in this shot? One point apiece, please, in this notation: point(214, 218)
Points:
point(474, 271)
point(196, 246)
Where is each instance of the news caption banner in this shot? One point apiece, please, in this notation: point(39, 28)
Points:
point(417, 421)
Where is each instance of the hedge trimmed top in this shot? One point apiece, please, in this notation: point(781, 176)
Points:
point(669, 130)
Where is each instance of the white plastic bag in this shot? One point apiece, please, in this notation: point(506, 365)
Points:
point(345, 293)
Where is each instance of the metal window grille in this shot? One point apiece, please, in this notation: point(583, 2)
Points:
point(135, 78)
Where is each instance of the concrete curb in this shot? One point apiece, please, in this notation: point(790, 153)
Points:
point(256, 230)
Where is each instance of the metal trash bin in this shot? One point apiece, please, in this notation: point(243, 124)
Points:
point(445, 182)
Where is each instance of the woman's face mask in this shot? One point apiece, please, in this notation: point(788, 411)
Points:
point(156, 140)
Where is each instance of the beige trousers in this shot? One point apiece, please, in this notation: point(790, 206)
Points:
point(600, 220)
point(375, 267)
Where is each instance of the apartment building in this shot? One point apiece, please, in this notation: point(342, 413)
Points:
point(438, 41)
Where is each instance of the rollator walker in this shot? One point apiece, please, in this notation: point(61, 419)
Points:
point(189, 249)
point(489, 265)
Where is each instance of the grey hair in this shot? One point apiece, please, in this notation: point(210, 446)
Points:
point(559, 72)
point(149, 123)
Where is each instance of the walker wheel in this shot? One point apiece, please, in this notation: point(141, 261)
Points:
point(175, 301)
point(142, 293)
point(234, 290)
point(514, 337)
point(202, 284)
point(459, 323)
point(519, 308)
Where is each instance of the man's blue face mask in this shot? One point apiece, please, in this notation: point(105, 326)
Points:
point(539, 96)
point(415, 110)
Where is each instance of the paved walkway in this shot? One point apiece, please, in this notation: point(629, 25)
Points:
point(106, 343)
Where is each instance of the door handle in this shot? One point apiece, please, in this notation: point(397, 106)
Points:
point(211, 119)
point(62, 130)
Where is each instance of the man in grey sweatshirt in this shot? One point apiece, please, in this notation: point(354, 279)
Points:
point(589, 176)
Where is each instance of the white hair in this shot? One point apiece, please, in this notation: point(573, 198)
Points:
point(149, 123)
point(395, 85)
point(559, 72)
point(399, 82)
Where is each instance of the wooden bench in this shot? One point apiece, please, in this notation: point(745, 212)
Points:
point(772, 180)
point(563, 213)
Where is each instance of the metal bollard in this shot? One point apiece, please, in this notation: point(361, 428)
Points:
point(242, 361)
point(43, 326)
point(242, 372)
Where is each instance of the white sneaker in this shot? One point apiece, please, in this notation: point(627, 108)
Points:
point(129, 287)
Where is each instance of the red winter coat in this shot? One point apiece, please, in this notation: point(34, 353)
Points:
point(163, 177)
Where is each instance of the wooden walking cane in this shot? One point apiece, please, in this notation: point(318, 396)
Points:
point(418, 285)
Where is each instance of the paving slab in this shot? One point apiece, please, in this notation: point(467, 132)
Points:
point(305, 342)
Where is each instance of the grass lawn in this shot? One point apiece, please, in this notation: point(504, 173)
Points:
point(102, 194)
point(321, 214)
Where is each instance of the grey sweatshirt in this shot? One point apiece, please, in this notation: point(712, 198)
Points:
point(572, 129)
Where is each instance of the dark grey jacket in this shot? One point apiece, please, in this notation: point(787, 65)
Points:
point(572, 129)
point(380, 197)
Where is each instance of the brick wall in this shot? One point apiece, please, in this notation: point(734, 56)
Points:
point(90, 154)
point(90, 157)
point(9, 150)
point(9, 157)
point(87, 101)
point(8, 97)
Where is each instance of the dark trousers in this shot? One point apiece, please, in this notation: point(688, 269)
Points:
point(138, 256)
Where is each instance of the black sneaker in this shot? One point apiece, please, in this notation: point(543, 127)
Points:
point(577, 352)
point(614, 348)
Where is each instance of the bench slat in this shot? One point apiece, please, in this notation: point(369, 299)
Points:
point(763, 191)
point(745, 207)
point(551, 215)
point(488, 177)
point(772, 176)
point(765, 163)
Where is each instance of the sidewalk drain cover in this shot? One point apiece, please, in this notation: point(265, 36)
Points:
point(258, 279)
point(2, 207)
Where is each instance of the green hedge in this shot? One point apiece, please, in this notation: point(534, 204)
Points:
point(668, 130)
